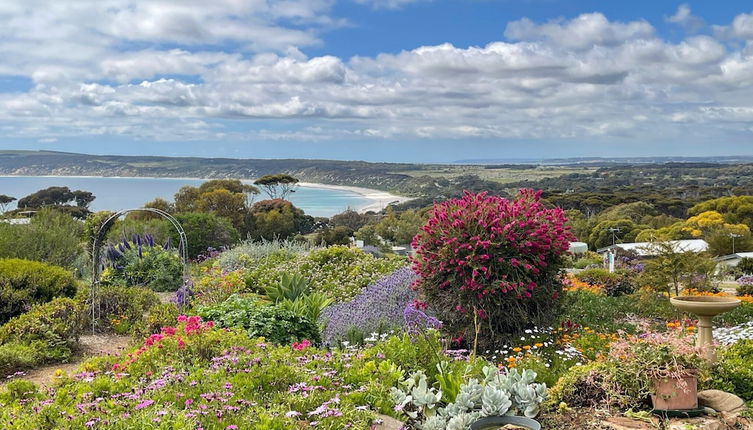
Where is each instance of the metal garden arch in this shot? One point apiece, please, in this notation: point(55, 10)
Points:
point(97, 250)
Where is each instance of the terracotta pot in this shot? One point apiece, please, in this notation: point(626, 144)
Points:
point(671, 394)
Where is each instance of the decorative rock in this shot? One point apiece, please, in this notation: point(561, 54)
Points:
point(721, 401)
point(622, 423)
point(696, 424)
point(389, 423)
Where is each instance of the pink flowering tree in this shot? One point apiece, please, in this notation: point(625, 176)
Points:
point(489, 267)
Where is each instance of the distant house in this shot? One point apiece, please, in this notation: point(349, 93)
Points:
point(644, 249)
point(578, 247)
point(732, 260)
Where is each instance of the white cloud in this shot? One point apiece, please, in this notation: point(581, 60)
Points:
point(685, 18)
point(578, 78)
point(388, 4)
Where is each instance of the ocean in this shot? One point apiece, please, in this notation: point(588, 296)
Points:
point(129, 193)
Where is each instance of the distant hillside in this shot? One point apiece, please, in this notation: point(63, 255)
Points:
point(356, 173)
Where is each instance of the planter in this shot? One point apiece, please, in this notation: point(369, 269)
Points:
point(671, 394)
point(495, 423)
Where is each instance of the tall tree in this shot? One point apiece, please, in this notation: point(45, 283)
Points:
point(277, 186)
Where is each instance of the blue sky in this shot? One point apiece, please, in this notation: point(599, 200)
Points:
point(380, 80)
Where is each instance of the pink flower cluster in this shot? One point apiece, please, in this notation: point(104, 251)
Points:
point(489, 245)
point(300, 346)
point(187, 326)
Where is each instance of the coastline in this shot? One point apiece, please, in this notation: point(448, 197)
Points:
point(378, 199)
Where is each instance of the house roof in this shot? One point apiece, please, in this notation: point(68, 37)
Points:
point(644, 248)
point(734, 256)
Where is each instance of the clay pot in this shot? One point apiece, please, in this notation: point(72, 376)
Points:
point(671, 394)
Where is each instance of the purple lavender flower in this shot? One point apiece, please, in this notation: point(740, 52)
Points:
point(379, 307)
point(417, 321)
point(184, 293)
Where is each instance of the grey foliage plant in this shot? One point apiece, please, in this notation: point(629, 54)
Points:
point(511, 392)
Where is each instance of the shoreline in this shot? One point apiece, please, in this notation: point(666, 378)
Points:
point(378, 199)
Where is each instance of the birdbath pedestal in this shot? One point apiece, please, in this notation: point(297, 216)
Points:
point(706, 308)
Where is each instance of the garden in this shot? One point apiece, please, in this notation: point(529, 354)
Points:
point(487, 324)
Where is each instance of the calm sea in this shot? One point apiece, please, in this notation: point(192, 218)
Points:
point(128, 193)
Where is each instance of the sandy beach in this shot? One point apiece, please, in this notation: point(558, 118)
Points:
point(379, 199)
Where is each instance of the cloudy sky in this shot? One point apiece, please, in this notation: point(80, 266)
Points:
point(391, 80)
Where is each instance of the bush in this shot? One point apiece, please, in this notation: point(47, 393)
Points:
point(587, 259)
point(620, 286)
point(734, 370)
point(17, 356)
point(745, 286)
point(609, 314)
point(118, 308)
point(377, 309)
point(274, 323)
point(341, 272)
point(338, 272)
point(204, 231)
point(25, 283)
point(745, 265)
point(488, 263)
point(159, 316)
point(249, 253)
point(596, 276)
point(144, 263)
point(51, 237)
point(51, 329)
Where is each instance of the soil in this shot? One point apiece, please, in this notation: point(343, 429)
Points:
point(90, 346)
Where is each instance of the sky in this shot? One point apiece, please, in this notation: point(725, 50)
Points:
point(377, 80)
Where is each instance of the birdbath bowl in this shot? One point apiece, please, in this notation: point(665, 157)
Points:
point(706, 308)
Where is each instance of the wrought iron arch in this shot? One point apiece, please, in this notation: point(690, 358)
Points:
point(97, 249)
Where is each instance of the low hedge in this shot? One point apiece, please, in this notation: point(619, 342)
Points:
point(48, 332)
point(25, 283)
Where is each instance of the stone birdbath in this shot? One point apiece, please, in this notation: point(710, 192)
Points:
point(706, 308)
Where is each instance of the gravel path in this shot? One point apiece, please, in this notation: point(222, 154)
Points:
point(91, 346)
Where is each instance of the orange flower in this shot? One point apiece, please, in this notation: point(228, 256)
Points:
point(527, 347)
point(516, 349)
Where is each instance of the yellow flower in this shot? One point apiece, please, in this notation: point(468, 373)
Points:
point(539, 345)
point(516, 349)
point(527, 347)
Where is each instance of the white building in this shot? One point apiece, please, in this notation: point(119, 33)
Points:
point(645, 249)
point(732, 260)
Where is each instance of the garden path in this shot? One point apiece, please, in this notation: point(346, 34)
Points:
point(91, 346)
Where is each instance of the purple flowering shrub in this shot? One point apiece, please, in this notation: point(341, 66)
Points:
point(745, 285)
point(377, 309)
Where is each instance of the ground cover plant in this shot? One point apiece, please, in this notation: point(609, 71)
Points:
point(196, 375)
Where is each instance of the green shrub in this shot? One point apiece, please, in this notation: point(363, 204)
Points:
point(51, 237)
point(17, 356)
point(597, 276)
point(19, 389)
point(118, 308)
point(143, 263)
point(274, 323)
point(587, 259)
point(338, 272)
point(24, 283)
point(745, 266)
point(205, 230)
point(247, 254)
point(620, 286)
point(607, 314)
point(734, 370)
point(158, 316)
point(52, 329)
